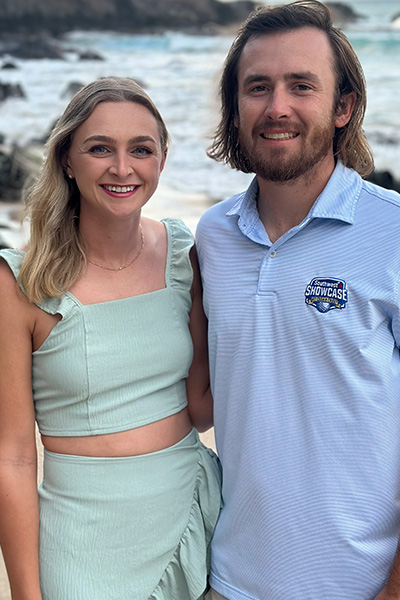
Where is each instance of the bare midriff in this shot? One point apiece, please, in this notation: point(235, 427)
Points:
point(141, 440)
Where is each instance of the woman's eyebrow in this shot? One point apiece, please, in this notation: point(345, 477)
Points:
point(105, 138)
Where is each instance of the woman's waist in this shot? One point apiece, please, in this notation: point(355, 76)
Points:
point(93, 479)
point(146, 439)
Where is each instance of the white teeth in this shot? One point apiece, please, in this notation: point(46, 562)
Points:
point(278, 136)
point(120, 189)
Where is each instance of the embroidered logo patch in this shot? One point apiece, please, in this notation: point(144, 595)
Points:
point(326, 294)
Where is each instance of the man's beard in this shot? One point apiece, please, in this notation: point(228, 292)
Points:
point(283, 166)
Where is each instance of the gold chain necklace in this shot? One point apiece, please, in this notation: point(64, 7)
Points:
point(129, 263)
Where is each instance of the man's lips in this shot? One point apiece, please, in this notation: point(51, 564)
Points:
point(277, 131)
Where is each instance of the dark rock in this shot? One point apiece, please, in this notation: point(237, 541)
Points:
point(395, 22)
point(385, 179)
point(9, 65)
point(13, 174)
point(32, 47)
point(71, 89)
point(74, 86)
point(11, 90)
point(234, 12)
point(90, 55)
point(59, 16)
point(342, 13)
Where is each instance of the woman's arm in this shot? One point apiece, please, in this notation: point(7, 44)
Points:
point(391, 591)
point(19, 512)
point(200, 403)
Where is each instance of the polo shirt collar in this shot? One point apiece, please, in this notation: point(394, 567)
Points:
point(339, 198)
point(338, 201)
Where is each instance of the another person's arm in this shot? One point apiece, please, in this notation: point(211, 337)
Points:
point(200, 402)
point(392, 589)
point(19, 513)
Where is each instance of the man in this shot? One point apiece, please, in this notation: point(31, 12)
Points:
point(302, 292)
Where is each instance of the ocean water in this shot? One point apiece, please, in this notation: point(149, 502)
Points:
point(181, 72)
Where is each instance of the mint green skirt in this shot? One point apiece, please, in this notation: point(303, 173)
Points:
point(131, 528)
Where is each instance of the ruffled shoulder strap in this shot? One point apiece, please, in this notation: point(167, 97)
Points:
point(63, 306)
point(180, 240)
point(14, 259)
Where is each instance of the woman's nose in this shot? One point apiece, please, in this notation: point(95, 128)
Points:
point(122, 165)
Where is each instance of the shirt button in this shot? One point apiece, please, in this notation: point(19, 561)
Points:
point(272, 254)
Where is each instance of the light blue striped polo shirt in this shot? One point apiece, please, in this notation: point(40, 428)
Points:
point(304, 339)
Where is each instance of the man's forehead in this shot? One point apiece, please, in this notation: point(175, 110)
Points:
point(303, 49)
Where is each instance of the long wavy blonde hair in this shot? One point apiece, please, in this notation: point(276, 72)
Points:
point(56, 253)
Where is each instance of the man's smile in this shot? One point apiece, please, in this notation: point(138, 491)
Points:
point(279, 136)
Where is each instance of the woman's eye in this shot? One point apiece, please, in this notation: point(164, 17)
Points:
point(98, 150)
point(142, 151)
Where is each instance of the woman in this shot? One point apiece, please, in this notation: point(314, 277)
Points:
point(97, 349)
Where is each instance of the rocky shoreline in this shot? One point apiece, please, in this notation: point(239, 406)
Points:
point(32, 29)
point(59, 16)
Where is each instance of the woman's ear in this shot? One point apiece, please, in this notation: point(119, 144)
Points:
point(66, 166)
point(345, 109)
point(164, 158)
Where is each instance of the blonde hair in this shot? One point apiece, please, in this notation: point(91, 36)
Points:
point(349, 142)
point(56, 254)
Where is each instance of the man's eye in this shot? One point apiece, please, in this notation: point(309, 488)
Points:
point(302, 87)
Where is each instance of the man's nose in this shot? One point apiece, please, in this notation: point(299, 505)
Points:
point(278, 104)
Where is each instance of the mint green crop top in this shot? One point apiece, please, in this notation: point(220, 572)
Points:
point(115, 365)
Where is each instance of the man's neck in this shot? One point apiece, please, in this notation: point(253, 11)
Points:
point(282, 206)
